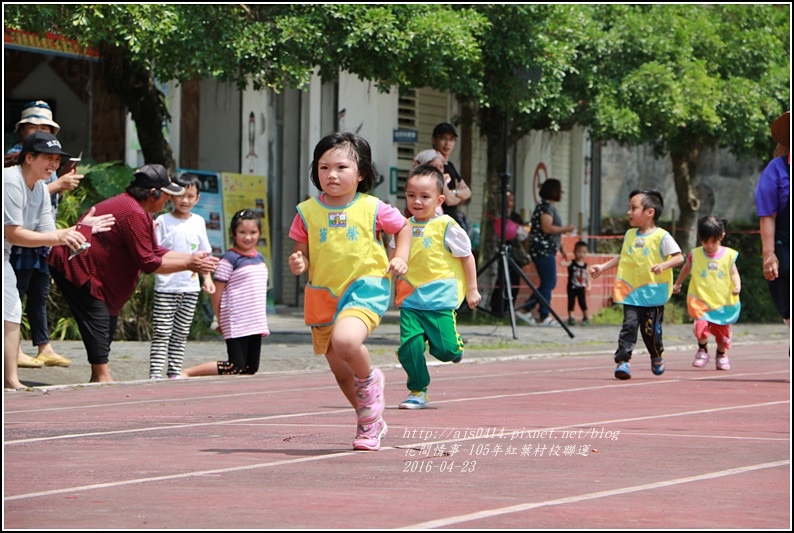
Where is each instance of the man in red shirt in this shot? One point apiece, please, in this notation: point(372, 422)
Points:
point(99, 281)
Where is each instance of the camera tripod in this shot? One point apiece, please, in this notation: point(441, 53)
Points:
point(506, 261)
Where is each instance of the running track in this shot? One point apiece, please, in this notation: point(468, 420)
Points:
point(520, 443)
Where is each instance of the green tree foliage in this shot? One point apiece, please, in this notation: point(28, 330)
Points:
point(273, 46)
point(686, 77)
point(529, 53)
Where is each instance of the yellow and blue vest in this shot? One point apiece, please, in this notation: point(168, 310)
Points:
point(347, 261)
point(710, 296)
point(635, 284)
point(435, 278)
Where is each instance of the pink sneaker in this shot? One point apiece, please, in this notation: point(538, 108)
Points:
point(723, 363)
point(369, 393)
point(701, 358)
point(368, 435)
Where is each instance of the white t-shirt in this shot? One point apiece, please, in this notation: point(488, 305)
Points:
point(669, 246)
point(30, 209)
point(187, 236)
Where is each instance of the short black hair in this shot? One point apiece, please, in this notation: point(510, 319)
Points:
point(239, 216)
point(711, 227)
point(551, 190)
point(187, 179)
point(651, 198)
point(357, 147)
point(427, 170)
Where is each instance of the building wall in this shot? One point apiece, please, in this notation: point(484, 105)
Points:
point(365, 111)
point(69, 111)
point(727, 184)
point(220, 127)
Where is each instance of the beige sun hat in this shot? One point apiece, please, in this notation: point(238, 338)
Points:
point(38, 112)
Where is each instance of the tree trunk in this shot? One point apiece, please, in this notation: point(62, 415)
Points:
point(146, 103)
point(492, 126)
point(685, 165)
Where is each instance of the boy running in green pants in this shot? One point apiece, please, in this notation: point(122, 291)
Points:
point(441, 272)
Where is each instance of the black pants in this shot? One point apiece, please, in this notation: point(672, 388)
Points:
point(649, 321)
point(34, 285)
point(97, 326)
point(574, 294)
point(244, 355)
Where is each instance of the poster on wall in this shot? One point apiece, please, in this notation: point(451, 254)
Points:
point(241, 191)
point(210, 207)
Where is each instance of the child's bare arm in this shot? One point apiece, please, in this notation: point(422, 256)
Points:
point(470, 270)
point(675, 260)
point(737, 280)
point(596, 270)
point(399, 261)
point(299, 260)
point(216, 301)
point(209, 284)
point(685, 270)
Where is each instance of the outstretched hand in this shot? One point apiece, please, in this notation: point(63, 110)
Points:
point(99, 223)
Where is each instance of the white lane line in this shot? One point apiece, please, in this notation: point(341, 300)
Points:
point(453, 520)
point(435, 378)
point(588, 425)
point(335, 411)
point(199, 473)
point(333, 454)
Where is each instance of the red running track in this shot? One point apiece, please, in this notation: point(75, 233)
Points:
point(547, 443)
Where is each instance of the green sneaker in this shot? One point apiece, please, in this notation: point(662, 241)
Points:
point(415, 400)
point(571, 321)
point(585, 322)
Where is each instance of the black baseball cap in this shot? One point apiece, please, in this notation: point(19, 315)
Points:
point(42, 142)
point(156, 177)
point(444, 127)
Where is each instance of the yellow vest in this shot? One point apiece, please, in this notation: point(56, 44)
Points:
point(347, 262)
point(710, 296)
point(635, 284)
point(435, 279)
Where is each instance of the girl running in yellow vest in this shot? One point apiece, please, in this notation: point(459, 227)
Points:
point(713, 296)
point(442, 272)
point(337, 241)
point(644, 281)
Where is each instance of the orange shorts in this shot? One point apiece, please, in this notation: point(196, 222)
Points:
point(321, 335)
point(721, 332)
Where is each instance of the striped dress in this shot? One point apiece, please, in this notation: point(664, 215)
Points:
point(243, 309)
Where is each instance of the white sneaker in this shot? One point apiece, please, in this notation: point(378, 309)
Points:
point(527, 317)
point(548, 321)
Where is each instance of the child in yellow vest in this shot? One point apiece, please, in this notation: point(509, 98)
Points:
point(713, 295)
point(644, 281)
point(337, 241)
point(442, 272)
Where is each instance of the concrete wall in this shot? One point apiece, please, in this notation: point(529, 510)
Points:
point(727, 184)
point(372, 115)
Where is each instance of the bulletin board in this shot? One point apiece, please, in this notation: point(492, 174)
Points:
point(244, 191)
point(210, 208)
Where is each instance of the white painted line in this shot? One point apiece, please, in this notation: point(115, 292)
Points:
point(453, 520)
